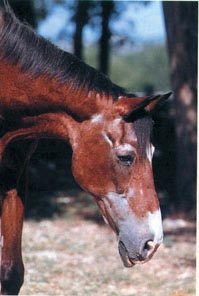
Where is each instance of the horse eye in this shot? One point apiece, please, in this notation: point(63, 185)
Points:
point(126, 159)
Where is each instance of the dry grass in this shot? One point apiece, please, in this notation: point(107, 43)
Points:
point(75, 256)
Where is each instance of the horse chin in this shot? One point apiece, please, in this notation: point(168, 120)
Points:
point(124, 256)
point(127, 262)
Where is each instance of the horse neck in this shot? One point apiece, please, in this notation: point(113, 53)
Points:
point(21, 92)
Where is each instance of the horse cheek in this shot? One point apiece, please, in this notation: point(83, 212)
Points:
point(92, 172)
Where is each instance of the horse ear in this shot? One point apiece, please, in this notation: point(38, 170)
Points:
point(129, 107)
point(156, 100)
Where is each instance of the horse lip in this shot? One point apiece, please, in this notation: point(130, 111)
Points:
point(124, 255)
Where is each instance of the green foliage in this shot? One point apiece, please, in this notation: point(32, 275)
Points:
point(146, 68)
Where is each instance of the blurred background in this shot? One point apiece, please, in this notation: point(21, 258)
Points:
point(146, 47)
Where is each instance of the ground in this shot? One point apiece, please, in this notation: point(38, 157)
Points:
point(75, 254)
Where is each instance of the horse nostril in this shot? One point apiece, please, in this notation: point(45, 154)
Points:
point(149, 245)
point(147, 250)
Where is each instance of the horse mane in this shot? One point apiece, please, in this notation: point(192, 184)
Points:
point(20, 45)
point(143, 126)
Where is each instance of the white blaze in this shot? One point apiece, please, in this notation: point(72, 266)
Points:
point(155, 226)
point(97, 118)
point(149, 152)
point(107, 139)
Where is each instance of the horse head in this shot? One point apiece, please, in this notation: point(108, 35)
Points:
point(112, 160)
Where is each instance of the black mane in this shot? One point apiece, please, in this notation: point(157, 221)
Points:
point(20, 45)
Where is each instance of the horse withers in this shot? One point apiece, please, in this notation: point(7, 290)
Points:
point(52, 94)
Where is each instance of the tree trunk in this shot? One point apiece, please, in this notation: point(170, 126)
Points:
point(181, 25)
point(81, 19)
point(104, 43)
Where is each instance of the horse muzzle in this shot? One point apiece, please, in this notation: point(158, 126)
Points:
point(139, 256)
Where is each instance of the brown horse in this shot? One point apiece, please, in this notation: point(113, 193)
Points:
point(48, 93)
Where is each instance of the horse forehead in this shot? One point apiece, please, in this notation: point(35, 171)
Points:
point(116, 127)
point(124, 131)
